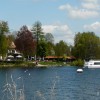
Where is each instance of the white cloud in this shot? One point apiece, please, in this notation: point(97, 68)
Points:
point(49, 28)
point(95, 27)
point(65, 7)
point(75, 12)
point(86, 9)
point(89, 1)
point(83, 13)
point(60, 32)
point(91, 6)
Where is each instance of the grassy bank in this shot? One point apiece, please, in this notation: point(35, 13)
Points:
point(16, 64)
point(22, 64)
point(51, 63)
point(78, 63)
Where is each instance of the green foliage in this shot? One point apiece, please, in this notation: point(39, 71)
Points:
point(3, 27)
point(86, 45)
point(3, 45)
point(64, 57)
point(42, 49)
point(78, 62)
point(38, 31)
point(52, 63)
point(39, 36)
point(50, 49)
point(20, 63)
point(61, 49)
point(3, 40)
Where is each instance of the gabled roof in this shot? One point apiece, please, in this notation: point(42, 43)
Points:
point(12, 45)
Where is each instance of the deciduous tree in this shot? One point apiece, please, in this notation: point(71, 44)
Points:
point(42, 50)
point(49, 37)
point(86, 45)
point(61, 48)
point(24, 41)
point(3, 40)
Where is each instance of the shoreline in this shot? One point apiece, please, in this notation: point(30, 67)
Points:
point(33, 64)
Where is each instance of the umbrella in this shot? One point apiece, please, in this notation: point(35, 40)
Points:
point(10, 56)
point(19, 56)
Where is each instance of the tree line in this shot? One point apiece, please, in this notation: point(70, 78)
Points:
point(34, 42)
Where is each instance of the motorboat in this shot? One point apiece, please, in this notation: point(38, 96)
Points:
point(92, 64)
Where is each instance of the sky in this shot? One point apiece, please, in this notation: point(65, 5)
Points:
point(62, 18)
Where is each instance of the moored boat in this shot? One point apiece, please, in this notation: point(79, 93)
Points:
point(92, 64)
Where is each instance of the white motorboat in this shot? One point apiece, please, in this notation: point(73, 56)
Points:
point(92, 64)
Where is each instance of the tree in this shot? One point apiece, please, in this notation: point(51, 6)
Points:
point(42, 51)
point(50, 49)
point(3, 27)
point(3, 45)
point(86, 45)
point(24, 41)
point(3, 40)
point(49, 37)
point(61, 49)
point(38, 33)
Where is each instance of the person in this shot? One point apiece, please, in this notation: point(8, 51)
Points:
point(36, 62)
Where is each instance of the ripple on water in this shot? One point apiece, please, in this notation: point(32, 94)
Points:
point(57, 83)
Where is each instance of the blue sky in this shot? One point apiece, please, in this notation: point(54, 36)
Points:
point(62, 18)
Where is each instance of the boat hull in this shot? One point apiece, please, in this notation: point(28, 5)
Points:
point(92, 64)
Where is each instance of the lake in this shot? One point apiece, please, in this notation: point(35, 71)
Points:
point(54, 83)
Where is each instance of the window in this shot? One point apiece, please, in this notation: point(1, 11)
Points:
point(96, 63)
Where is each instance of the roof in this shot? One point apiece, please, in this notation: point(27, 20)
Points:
point(52, 57)
point(12, 45)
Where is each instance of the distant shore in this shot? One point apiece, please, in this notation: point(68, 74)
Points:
point(16, 64)
point(29, 64)
point(34, 64)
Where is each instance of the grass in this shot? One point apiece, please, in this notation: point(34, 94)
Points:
point(22, 64)
point(52, 63)
point(15, 64)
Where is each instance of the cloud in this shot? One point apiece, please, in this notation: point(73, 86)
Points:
point(87, 9)
point(89, 1)
point(95, 27)
point(60, 32)
point(49, 28)
point(65, 7)
point(91, 4)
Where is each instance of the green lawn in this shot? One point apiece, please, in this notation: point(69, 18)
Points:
point(51, 63)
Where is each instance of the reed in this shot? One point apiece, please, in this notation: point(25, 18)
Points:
point(52, 91)
point(11, 92)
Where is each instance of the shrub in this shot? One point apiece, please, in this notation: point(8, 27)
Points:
point(78, 62)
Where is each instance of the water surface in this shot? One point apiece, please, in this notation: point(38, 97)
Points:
point(55, 83)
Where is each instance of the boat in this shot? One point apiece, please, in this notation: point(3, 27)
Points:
point(79, 70)
point(92, 64)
